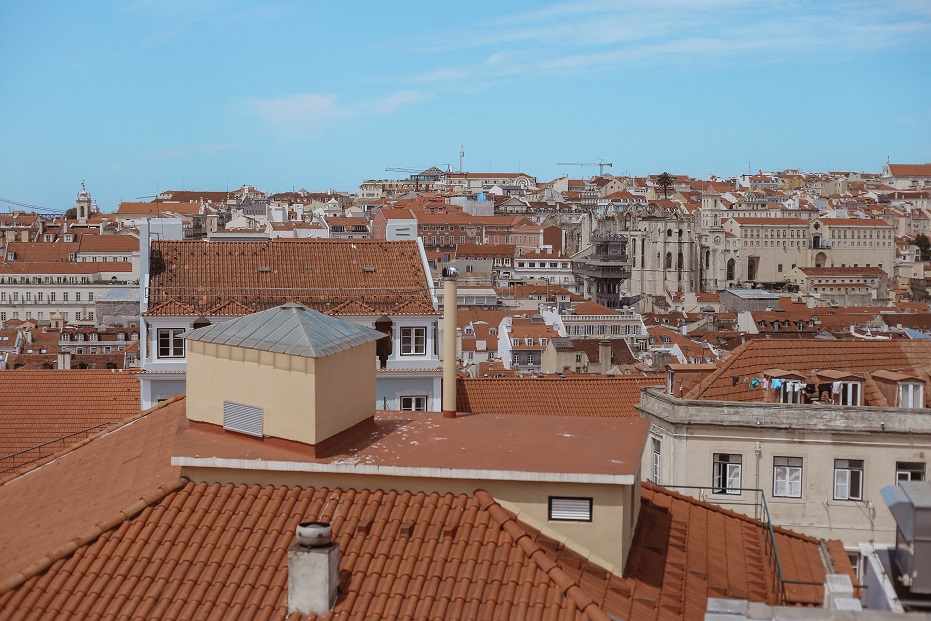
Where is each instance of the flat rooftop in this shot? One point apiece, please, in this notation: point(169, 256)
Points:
point(488, 446)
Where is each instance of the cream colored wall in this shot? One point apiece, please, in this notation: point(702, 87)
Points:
point(606, 540)
point(293, 407)
point(687, 459)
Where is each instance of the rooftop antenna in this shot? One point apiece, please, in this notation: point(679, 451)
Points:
point(461, 155)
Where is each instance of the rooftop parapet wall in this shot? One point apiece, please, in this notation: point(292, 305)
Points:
point(821, 418)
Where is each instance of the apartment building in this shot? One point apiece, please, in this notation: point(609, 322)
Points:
point(820, 430)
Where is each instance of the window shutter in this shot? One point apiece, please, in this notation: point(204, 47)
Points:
point(841, 484)
point(571, 509)
point(242, 418)
point(733, 477)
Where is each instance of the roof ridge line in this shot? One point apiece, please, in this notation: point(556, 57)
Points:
point(571, 589)
point(92, 534)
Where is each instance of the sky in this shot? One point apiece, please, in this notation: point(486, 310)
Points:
point(137, 97)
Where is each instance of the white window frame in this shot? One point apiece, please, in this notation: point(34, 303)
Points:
point(413, 340)
point(909, 471)
point(172, 341)
point(848, 479)
point(787, 477)
point(726, 473)
point(911, 395)
point(657, 461)
point(410, 403)
point(851, 393)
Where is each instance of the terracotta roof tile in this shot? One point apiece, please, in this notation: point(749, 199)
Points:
point(86, 487)
point(320, 274)
point(553, 396)
point(37, 407)
point(171, 308)
point(220, 550)
point(352, 307)
point(229, 308)
point(755, 356)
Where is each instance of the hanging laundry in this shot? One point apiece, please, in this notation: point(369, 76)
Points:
point(735, 380)
point(765, 383)
point(754, 383)
point(776, 383)
point(835, 387)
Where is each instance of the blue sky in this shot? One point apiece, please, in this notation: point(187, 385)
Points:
point(142, 96)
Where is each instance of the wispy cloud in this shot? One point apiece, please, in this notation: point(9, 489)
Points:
point(570, 37)
point(307, 115)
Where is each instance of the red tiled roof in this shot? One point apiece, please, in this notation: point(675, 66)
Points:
point(756, 356)
point(413, 307)
point(352, 307)
point(194, 550)
point(229, 308)
point(172, 308)
point(592, 308)
point(772, 221)
point(69, 501)
point(553, 395)
point(109, 243)
point(41, 406)
point(134, 209)
point(318, 273)
point(620, 350)
point(41, 251)
point(910, 170)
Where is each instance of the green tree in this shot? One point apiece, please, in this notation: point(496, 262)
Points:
point(665, 182)
point(71, 214)
point(924, 246)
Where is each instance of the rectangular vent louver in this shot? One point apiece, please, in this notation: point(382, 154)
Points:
point(570, 509)
point(242, 418)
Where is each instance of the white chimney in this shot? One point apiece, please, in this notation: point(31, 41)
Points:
point(450, 304)
point(604, 355)
point(313, 570)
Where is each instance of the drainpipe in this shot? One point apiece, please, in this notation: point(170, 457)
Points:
point(449, 341)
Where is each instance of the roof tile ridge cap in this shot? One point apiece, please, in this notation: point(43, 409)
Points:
point(570, 588)
point(89, 535)
point(728, 512)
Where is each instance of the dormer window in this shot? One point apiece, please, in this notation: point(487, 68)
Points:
point(93, 336)
point(849, 393)
point(413, 341)
point(170, 343)
point(911, 395)
point(515, 342)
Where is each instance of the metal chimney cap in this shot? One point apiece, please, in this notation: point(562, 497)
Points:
point(450, 272)
point(314, 534)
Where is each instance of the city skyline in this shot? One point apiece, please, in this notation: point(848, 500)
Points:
point(139, 97)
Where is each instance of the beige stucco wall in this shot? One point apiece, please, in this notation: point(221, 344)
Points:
point(819, 435)
point(284, 386)
point(606, 540)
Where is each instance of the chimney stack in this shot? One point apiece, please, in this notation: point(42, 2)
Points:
point(450, 303)
point(604, 355)
point(313, 570)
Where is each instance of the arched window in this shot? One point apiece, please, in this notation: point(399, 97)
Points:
point(731, 269)
point(680, 262)
point(668, 264)
point(633, 250)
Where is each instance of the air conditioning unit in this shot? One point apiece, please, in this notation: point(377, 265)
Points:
point(910, 504)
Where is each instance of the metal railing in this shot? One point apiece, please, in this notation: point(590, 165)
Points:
point(770, 547)
point(27, 456)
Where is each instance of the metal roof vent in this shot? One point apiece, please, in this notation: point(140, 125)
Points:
point(264, 269)
point(368, 270)
point(910, 504)
point(313, 570)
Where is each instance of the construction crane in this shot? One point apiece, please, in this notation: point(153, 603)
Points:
point(600, 164)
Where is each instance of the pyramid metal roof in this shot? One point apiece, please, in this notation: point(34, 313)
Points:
point(288, 329)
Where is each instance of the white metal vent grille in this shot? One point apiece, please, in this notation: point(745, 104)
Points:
point(571, 509)
point(242, 418)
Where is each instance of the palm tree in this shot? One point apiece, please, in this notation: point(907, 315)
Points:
point(665, 181)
